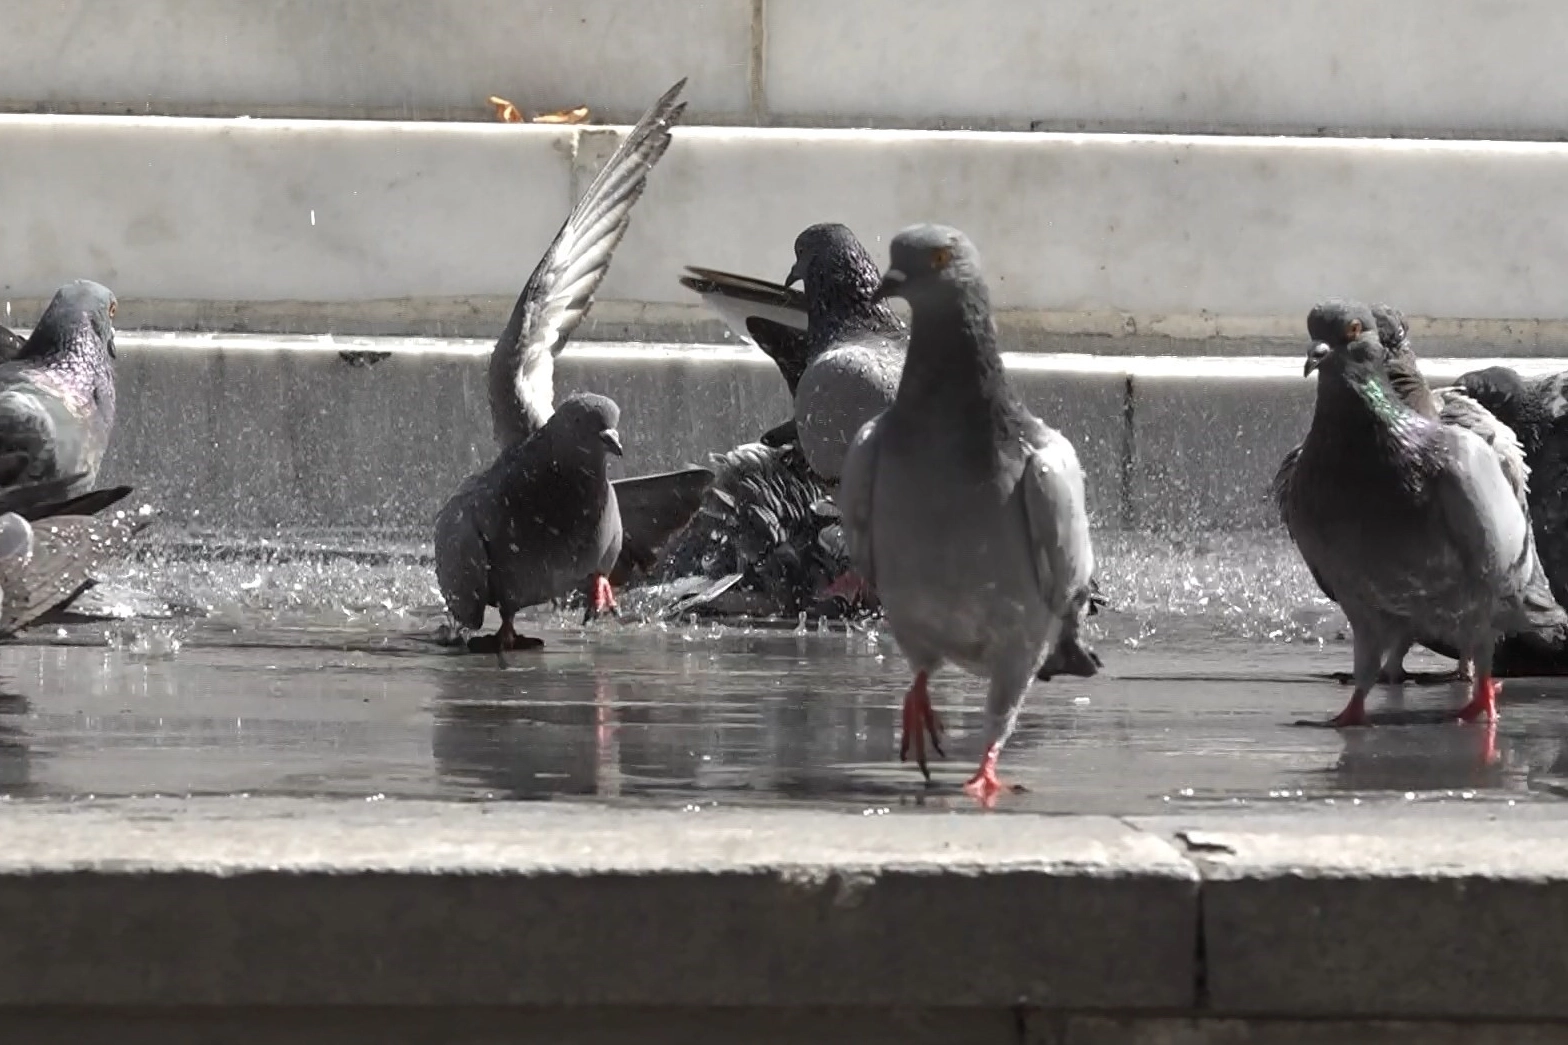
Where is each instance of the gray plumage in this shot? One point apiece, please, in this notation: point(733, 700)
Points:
point(1408, 521)
point(57, 392)
point(964, 511)
point(561, 288)
point(1543, 640)
point(536, 523)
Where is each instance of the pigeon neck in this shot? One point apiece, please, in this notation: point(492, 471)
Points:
point(939, 373)
point(839, 305)
point(77, 360)
point(1356, 405)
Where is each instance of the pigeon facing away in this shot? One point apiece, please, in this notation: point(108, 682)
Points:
point(963, 510)
point(1408, 521)
point(1534, 649)
point(534, 524)
point(57, 392)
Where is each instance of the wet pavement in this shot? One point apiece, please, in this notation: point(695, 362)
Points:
point(294, 668)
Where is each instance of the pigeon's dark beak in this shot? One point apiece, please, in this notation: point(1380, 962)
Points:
point(113, 354)
point(891, 286)
point(796, 274)
point(612, 441)
point(1315, 357)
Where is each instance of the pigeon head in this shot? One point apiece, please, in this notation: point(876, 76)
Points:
point(1500, 390)
point(840, 279)
point(588, 421)
point(1392, 330)
point(930, 262)
point(80, 317)
point(1344, 336)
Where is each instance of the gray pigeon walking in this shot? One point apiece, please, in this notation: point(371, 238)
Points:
point(522, 383)
point(1410, 522)
point(57, 391)
point(963, 510)
point(534, 524)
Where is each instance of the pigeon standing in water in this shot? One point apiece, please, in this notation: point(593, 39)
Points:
point(522, 393)
point(963, 510)
point(535, 523)
point(1410, 522)
point(1541, 647)
point(57, 391)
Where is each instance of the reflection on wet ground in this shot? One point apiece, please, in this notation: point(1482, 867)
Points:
point(306, 675)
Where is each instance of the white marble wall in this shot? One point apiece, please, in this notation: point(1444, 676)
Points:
point(1474, 68)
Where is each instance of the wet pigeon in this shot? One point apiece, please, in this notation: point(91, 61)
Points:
point(534, 524)
point(1410, 522)
point(1536, 410)
point(1544, 641)
point(963, 510)
point(57, 392)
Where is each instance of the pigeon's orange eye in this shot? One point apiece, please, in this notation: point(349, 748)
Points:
point(1353, 330)
point(940, 258)
point(111, 308)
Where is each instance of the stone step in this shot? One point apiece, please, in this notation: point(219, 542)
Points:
point(1403, 67)
point(252, 432)
point(1145, 244)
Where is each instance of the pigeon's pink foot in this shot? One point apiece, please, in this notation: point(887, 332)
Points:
point(984, 786)
point(1354, 713)
point(919, 722)
point(601, 597)
point(849, 586)
point(1483, 702)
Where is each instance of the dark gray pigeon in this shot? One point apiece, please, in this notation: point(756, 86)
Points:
point(57, 392)
point(963, 510)
point(535, 524)
point(11, 344)
point(1543, 643)
point(1410, 522)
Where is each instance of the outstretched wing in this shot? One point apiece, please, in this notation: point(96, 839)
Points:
point(739, 299)
point(558, 294)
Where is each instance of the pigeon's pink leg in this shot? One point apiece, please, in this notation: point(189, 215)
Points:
point(984, 786)
point(602, 598)
point(1355, 712)
point(1483, 701)
point(919, 720)
point(850, 586)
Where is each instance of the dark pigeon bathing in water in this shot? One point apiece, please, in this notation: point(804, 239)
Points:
point(530, 527)
point(962, 509)
point(1410, 522)
point(57, 398)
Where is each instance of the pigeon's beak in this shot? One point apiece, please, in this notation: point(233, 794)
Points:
point(795, 275)
point(1315, 358)
point(612, 441)
point(891, 286)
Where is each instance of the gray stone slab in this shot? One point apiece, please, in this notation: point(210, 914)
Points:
point(1092, 1030)
point(405, 1025)
point(313, 903)
point(1378, 914)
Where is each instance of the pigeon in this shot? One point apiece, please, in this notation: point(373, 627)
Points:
point(1535, 409)
point(1409, 521)
point(522, 367)
point(965, 511)
point(1545, 640)
point(11, 344)
point(57, 391)
point(534, 524)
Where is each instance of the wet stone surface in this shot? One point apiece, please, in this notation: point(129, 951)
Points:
point(308, 667)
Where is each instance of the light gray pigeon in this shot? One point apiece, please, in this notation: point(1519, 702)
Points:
point(1410, 522)
point(535, 524)
point(963, 510)
point(57, 391)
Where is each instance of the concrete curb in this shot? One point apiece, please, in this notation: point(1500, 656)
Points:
point(1483, 70)
point(398, 227)
point(1061, 928)
point(257, 432)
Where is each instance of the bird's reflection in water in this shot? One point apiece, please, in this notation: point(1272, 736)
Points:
point(16, 751)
